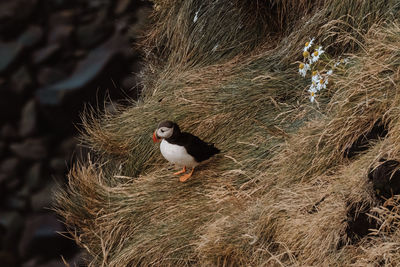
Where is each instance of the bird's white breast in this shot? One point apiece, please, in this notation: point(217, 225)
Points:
point(177, 154)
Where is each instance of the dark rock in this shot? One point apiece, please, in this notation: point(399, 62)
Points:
point(94, 33)
point(33, 177)
point(31, 36)
point(86, 70)
point(9, 169)
point(40, 238)
point(10, 104)
point(21, 80)
point(142, 14)
point(58, 165)
point(9, 166)
point(52, 263)
point(8, 132)
point(67, 148)
point(80, 53)
point(386, 179)
point(66, 16)
point(9, 52)
point(43, 200)
point(12, 222)
point(45, 53)
point(8, 258)
point(47, 76)
point(13, 14)
point(34, 149)
point(28, 122)
point(60, 33)
point(19, 203)
point(3, 148)
point(121, 6)
point(31, 263)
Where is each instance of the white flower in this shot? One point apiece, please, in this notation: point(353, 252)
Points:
point(312, 92)
point(315, 77)
point(308, 44)
point(303, 68)
point(316, 54)
point(322, 83)
point(196, 17)
point(329, 72)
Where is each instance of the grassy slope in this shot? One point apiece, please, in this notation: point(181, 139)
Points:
point(281, 191)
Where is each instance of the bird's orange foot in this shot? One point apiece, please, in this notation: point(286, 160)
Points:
point(185, 177)
point(182, 171)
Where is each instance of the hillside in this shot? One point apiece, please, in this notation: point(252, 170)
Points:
point(298, 182)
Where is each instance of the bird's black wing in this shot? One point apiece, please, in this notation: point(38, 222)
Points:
point(196, 147)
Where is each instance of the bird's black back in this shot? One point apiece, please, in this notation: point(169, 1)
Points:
point(196, 147)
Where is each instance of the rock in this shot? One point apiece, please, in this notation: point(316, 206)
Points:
point(7, 258)
point(47, 76)
point(66, 16)
point(10, 105)
point(67, 148)
point(80, 53)
point(3, 232)
point(9, 169)
point(33, 177)
point(142, 14)
point(40, 238)
point(13, 14)
point(31, 36)
point(31, 263)
point(9, 166)
point(9, 52)
point(86, 71)
point(19, 203)
point(8, 132)
point(21, 80)
point(121, 6)
point(58, 165)
point(94, 33)
point(60, 33)
point(386, 179)
point(45, 53)
point(28, 122)
point(43, 200)
point(3, 148)
point(52, 263)
point(32, 148)
point(12, 222)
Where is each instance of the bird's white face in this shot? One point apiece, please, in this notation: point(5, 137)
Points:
point(165, 132)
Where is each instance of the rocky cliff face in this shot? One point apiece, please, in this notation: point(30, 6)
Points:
point(55, 57)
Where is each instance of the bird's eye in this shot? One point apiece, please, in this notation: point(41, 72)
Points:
point(162, 130)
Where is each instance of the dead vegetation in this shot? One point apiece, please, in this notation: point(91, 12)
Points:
point(291, 186)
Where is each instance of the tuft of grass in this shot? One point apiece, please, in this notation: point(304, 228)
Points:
point(292, 176)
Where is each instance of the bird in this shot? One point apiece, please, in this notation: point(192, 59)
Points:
point(181, 148)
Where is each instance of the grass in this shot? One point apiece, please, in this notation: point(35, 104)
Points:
point(285, 189)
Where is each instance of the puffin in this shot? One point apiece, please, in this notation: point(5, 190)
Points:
point(181, 148)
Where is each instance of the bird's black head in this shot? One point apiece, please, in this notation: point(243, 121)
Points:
point(167, 130)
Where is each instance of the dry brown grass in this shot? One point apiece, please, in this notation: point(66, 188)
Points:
point(291, 177)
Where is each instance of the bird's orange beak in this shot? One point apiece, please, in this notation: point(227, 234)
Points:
point(155, 139)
